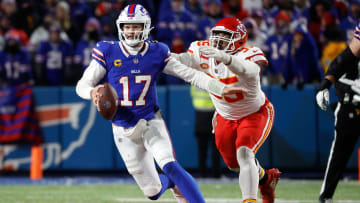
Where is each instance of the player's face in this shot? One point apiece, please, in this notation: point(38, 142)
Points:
point(133, 30)
point(222, 40)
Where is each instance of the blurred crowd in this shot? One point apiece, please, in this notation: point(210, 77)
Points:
point(49, 42)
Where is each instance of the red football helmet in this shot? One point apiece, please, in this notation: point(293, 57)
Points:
point(232, 27)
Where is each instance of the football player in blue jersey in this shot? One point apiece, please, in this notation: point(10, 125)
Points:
point(132, 66)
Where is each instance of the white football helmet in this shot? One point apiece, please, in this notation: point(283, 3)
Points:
point(134, 13)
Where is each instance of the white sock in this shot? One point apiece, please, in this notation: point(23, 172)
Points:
point(249, 176)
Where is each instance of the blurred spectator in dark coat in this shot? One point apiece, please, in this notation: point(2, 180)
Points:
point(304, 58)
point(80, 12)
point(341, 8)
point(329, 22)
point(235, 9)
point(41, 33)
point(213, 14)
point(196, 8)
point(174, 20)
point(85, 46)
point(63, 17)
point(334, 45)
point(347, 24)
point(108, 33)
point(317, 11)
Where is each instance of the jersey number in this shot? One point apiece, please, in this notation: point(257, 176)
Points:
point(124, 81)
point(237, 97)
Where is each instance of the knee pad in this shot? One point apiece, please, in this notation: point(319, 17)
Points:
point(244, 154)
point(133, 166)
point(159, 146)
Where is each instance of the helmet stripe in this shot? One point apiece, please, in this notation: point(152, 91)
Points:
point(131, 10)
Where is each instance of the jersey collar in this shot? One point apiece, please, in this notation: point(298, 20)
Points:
point(142, 51)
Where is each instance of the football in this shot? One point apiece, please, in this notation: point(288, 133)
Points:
point(107, 104)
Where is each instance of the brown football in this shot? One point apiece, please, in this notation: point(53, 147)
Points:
point(107, 105)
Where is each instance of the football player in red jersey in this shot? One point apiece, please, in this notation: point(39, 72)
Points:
point(243, 121)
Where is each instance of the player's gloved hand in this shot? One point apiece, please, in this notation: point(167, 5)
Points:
point(233, 90)
point(321, 97)
point(218, 55)
point(322, 94)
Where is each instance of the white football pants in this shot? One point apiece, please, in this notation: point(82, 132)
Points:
point(139, 153)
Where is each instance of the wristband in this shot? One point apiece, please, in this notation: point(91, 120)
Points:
point(325, 84)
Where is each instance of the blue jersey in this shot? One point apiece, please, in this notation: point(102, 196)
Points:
point(83, 53)
point(55, 58)
point(134, 78)
point(304, 58)
point(276, 47)
point(15, 69)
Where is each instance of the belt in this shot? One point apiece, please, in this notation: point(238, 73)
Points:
point(354, 99)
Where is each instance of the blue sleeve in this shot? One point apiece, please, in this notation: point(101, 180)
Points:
point(164, 52)
point(99, 52)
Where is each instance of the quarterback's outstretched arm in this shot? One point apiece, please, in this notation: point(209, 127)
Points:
point(198, 78)
point(236, 65)
point(92, 75)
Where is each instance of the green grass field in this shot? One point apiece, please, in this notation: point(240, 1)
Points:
point(288, 191)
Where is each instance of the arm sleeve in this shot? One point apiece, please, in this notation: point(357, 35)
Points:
point(184, 58)
point(243, 67)
point(92, 75)
point(342, 63)
point(195, 77)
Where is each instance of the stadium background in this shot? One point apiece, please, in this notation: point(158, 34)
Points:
point(78, 139)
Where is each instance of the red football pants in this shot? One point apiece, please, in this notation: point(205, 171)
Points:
point(250, 131)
